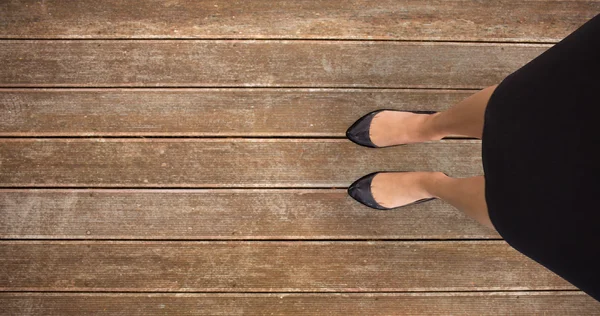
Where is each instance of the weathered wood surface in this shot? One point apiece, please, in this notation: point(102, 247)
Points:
point(204, 112)
point(220, 162)
point(186, 63)
point(264, 266)
point(417, 304)
point(504, 20)
point(252, 69)
point(222, 214)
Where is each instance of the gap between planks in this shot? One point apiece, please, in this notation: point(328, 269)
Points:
point(290, 39)
point(257, 239)
point(300, 40)
point(223, 139)
point(254, 242)
point(303, 294)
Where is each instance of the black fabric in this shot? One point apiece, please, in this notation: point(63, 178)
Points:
point(540, 159)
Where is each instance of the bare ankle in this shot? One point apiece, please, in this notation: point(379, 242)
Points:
point(431, 128)
point(433, 182)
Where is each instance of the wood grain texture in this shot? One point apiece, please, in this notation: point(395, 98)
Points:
point(260, 266)
point(188, 63)
point(220, 162)
point(195, 226)
point(204, 112)
point(417, 304)
point(472, 20)
point(222, 214)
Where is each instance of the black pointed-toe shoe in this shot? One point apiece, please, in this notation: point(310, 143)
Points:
point(360, 190)
point(359, 131)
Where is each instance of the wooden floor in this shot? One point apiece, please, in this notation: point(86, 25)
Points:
point(189, 157)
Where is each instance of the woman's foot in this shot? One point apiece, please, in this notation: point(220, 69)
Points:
point(390, 128)
point(395, 189)
point(387, 190)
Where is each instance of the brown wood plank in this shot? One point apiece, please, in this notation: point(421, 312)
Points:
point(220, 162)
point(203, 112)
point(503, 20)
point(224, 214)
point(418, 304)
point(264, 266)
point(188, 63)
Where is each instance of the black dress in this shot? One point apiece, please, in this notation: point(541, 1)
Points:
point(541, 161)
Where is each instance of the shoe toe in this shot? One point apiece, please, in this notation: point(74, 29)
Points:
point(359, 131)
point(360, 137)
point(360, 190)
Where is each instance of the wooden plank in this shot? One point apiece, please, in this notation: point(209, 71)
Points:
point(220, 162)
point(188, 63)
point(204, 112)
point(225, 214)
point(471, 20)
point(265, 266)
point(494, 303)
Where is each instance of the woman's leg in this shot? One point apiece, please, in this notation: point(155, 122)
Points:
point(463, 119)
point(466, 194)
